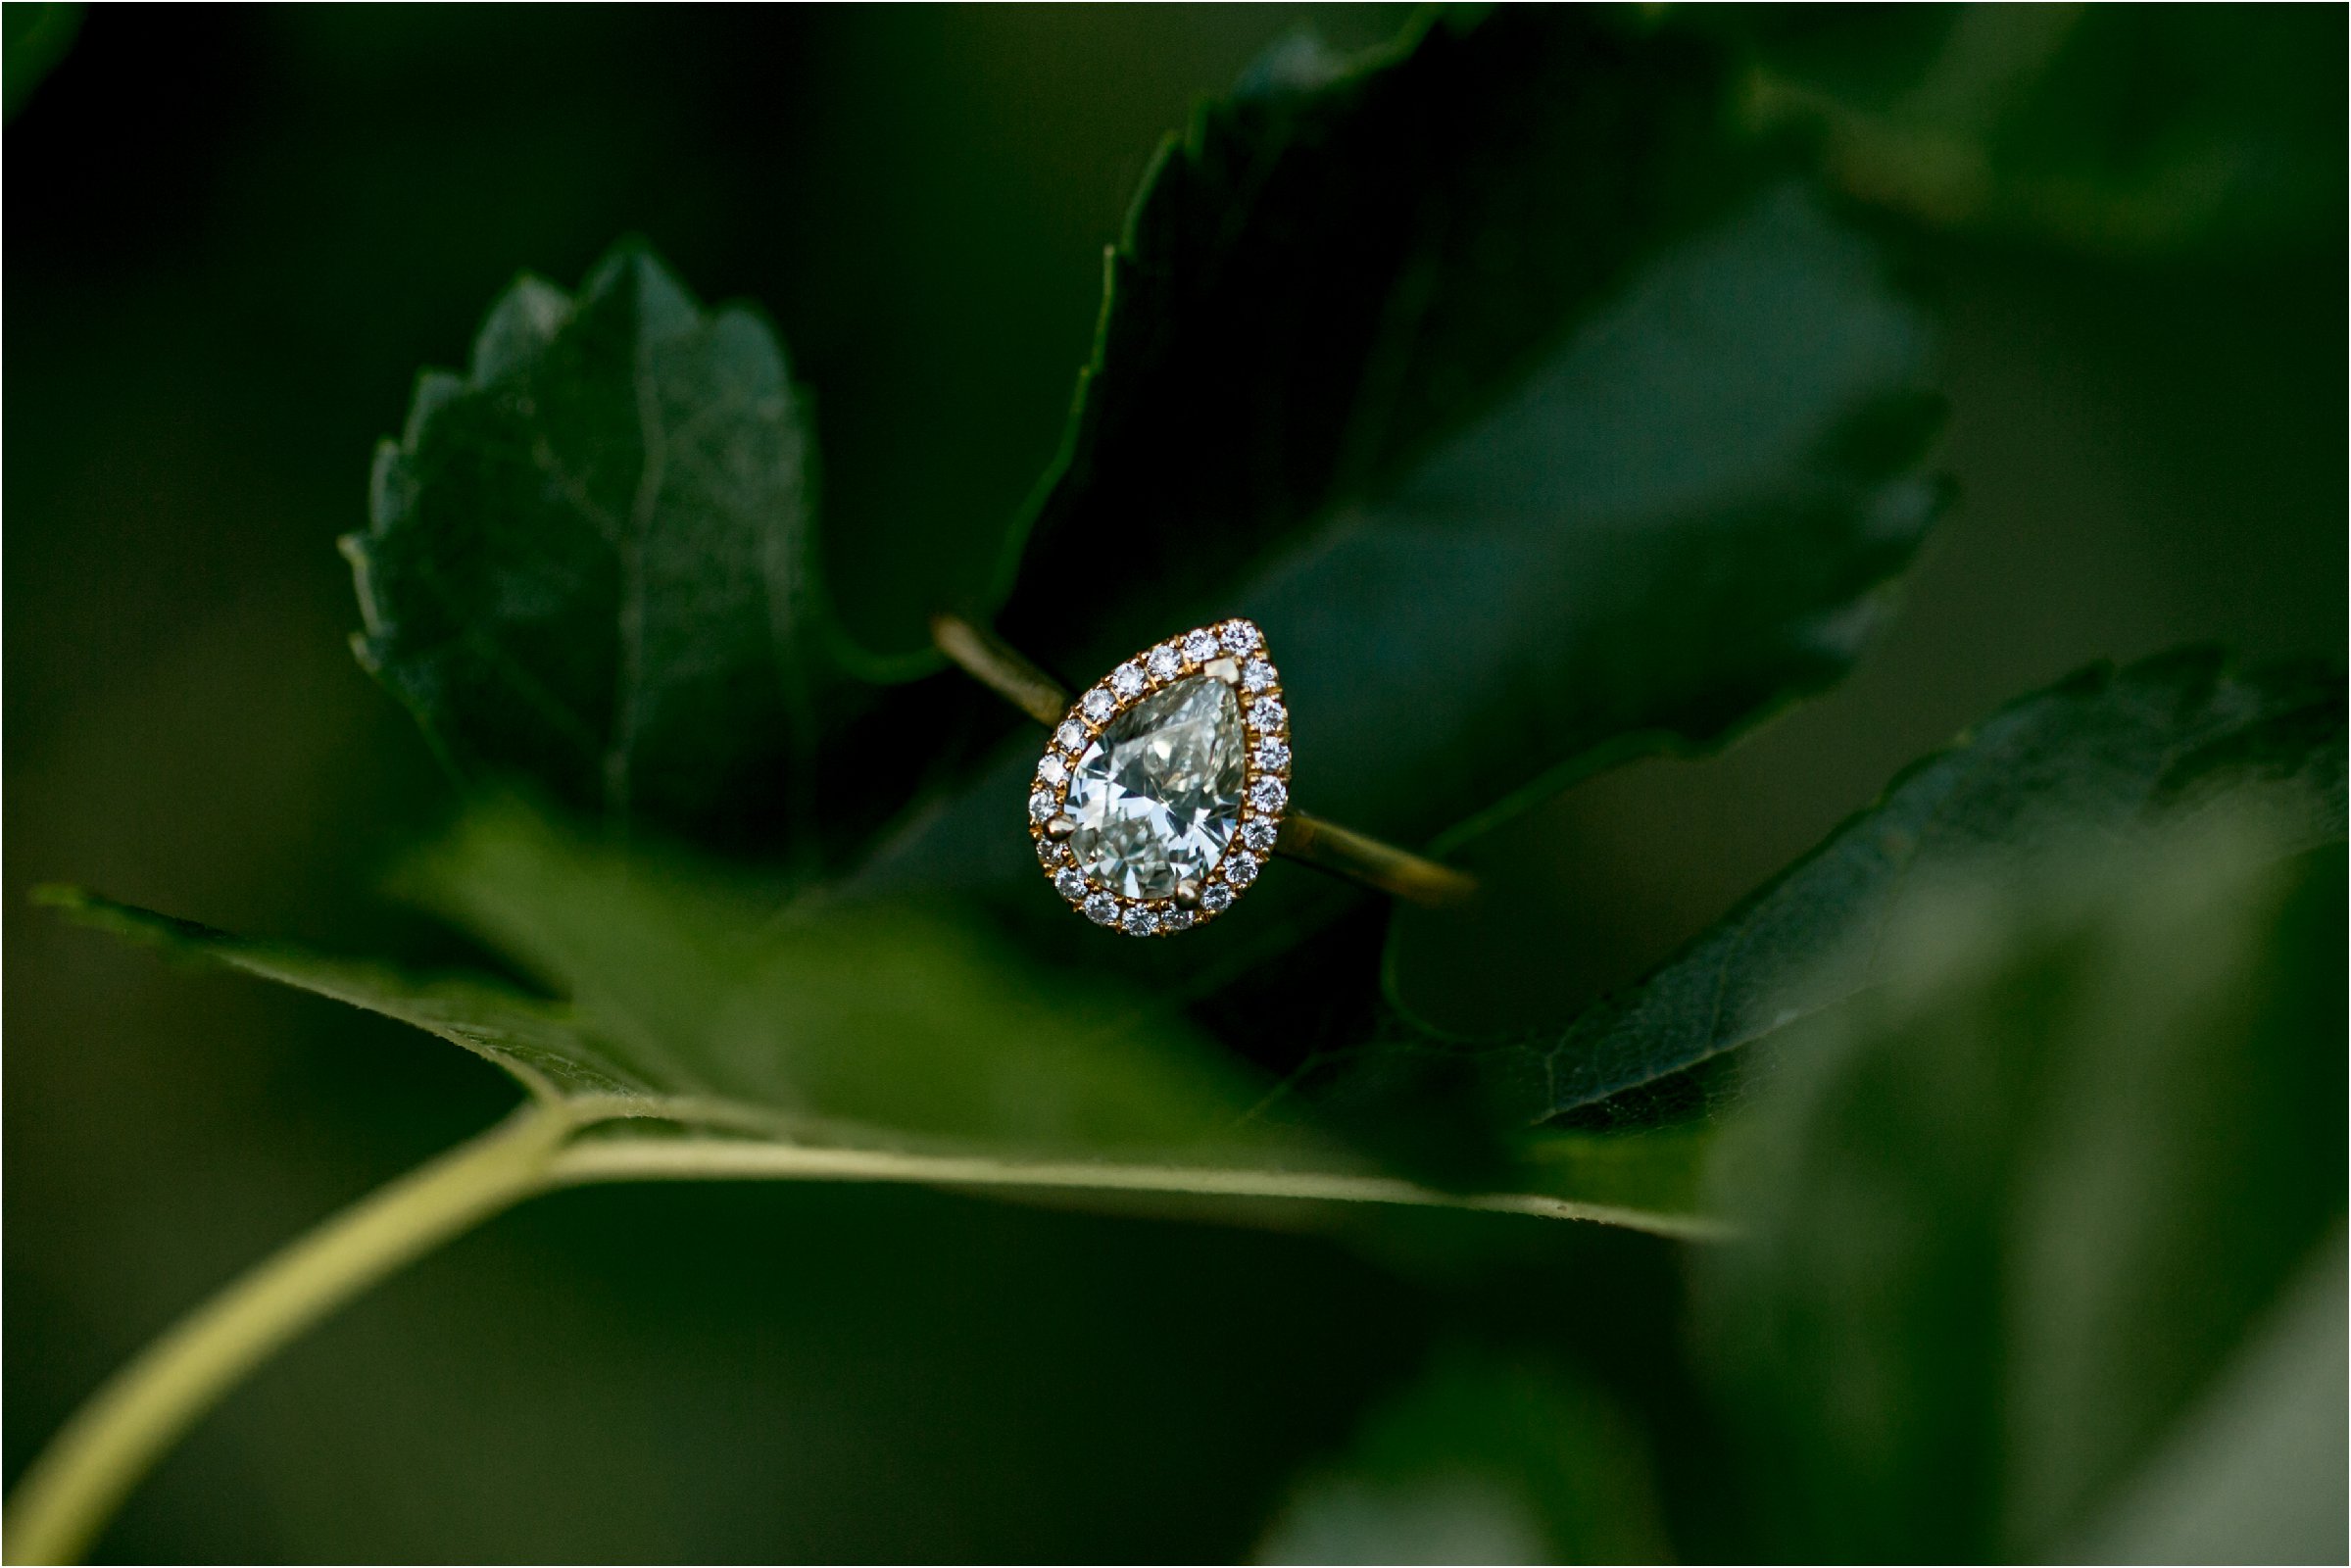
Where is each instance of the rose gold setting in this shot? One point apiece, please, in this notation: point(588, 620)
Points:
point(1232, 650)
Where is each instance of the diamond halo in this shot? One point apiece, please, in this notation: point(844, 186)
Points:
point(1232, 652)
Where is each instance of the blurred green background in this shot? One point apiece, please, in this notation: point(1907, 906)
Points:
point(233, 237)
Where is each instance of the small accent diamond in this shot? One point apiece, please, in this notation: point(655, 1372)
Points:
point(1042, 806)
point(1258, 833)
point(1256, 675)
point(1071, 882)
point(1071, 736)
point(1140, 921)
point(1269, 795)
point(1049, 853)
point(1240, 869)
point(1199, 646)
point(1098, 705)
point(1240, 636)
point(1215, 897)
point(1165, 659)
point(1055, 772)
point(1267, 712)
point(1272, 754)
point(1103, 909)
point(1177, 920)
point(1127, 680)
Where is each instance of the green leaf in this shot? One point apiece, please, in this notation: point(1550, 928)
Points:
point(34, 35)
point(1523, 405)
point(2102, 756)
point(875, 1042)
point(876, 1023)
point(543, 1044)
point(590, 561)
point(1448, 363)
point(2109, 127)
point(1486, 1458)
point(2016, 1209)
point(1334, 266)
point(1672, 505)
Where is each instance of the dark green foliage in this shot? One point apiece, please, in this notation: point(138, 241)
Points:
point(1446, 364)
point(2111, 128)
point(1484, 1458)
point(1336, 267)
point(2018, 1209)
point(589, 561)
point(1662, 511)
point(689, 1001)
point(1555, 386)
point(2105, 757)
point(37, 34)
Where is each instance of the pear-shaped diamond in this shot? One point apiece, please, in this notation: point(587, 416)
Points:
point(1157, 796)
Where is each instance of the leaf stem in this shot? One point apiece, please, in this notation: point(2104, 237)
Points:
point(71, 1490)
point(74, 1486)
point(725, 1159)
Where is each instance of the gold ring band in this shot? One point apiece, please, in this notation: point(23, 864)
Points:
point(1309, 839)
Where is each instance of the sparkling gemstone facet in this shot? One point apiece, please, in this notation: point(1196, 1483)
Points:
point(1258, 833)
point(1267, 712)
point(1267, 794)
point(1256, 674)
point(1157, 796)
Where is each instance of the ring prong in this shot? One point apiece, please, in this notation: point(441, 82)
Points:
point(1060, 827)
point(1224, 669)
point(1187, 894)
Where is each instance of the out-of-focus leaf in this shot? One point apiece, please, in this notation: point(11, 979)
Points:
point(2110, 128)
point(877, 1023)
point(34, 35)
point(1652, 1171)
point(2102, 758)
point(1485, 1459)
point(2256, 1474)
point(590, 562)
point(2015, 1209)
point(546, 1044)
point(689, 997)
point(696, 999)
